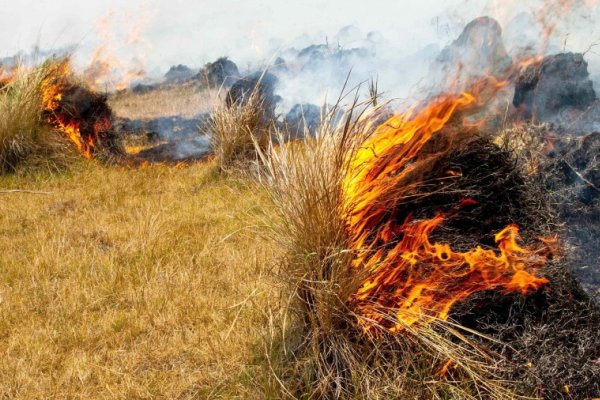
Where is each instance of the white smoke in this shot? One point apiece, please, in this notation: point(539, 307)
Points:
point(388, 40)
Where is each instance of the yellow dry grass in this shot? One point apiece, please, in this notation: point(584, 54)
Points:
point(180, 100)
point(25, 140)
point(132, 284)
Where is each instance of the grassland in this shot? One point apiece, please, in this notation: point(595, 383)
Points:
point(134, 283)
point(183, 100)
point(163, 281)
point(145, 283)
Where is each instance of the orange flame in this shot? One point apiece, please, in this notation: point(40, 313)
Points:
point(405, 271)
point(53, 88)
point(5, 76)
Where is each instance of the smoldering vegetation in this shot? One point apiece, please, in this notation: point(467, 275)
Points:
point(526, 156)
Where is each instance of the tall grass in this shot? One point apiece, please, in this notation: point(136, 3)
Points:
point(25, 138)
point(319, 350)
point(237, 128)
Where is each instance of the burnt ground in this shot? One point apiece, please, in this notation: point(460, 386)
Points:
point(168, 139)
point(572, 171)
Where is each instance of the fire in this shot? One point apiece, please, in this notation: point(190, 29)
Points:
point(83, 134)
point(530, 61)
point(108, 69)
point(404, 270)
point(5, 76)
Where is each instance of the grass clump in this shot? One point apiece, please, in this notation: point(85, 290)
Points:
point(25, 139)
point(319, 350)
point(237, 128)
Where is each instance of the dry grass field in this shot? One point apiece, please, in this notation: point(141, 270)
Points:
point(146, 283)
point(134, 283)
point(182, 100)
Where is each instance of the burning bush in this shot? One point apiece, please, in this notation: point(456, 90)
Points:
point(419, 258)
point(24, 137)
point(82, 115)
point(41, 107)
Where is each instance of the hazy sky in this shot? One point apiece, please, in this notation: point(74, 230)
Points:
point(158, 33)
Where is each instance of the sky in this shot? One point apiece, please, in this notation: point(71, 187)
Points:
point(155, 34)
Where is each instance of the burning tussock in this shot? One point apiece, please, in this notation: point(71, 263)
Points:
point(25, 138)
point(331, 354)
point(79, 113)
point(413, 250)
point(46, 107)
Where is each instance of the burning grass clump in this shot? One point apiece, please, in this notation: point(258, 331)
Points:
point(80, 114)
point(238, 129)
point(44, 109)
point(327, 351)
point(476, 304)
point(26, 141)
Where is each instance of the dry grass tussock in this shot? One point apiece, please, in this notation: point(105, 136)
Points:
point(527, 142)
point(26, 141)
point(239, 129)
point(317, 349)
point(131, 284)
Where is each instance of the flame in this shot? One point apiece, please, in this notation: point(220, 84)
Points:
point(53, 88)
point(108, 68)
point(5, 76)
point(527, 61)
point(404, 270)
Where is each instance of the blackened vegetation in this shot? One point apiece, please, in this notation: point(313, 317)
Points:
point(558, 84)
point(259, 85)
point(179, 74)
point(222, 72)
point(243, 88)
point(168, 139)
point(90, 112)
point(572, 171)
point(549, 339)
point(475, 184)
point(302, 119)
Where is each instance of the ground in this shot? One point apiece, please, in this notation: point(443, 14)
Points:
point(182, 100)
point(132, 283)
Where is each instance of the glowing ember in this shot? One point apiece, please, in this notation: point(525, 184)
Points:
point(404, 270)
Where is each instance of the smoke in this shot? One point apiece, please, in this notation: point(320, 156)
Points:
point(444, 55)
point(393, 42)
point(411, 50)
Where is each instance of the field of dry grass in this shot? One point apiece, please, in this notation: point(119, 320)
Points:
point(184, 101)
point(132, 283)
point(191, 281)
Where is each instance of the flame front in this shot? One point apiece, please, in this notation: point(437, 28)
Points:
point(404, 271)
